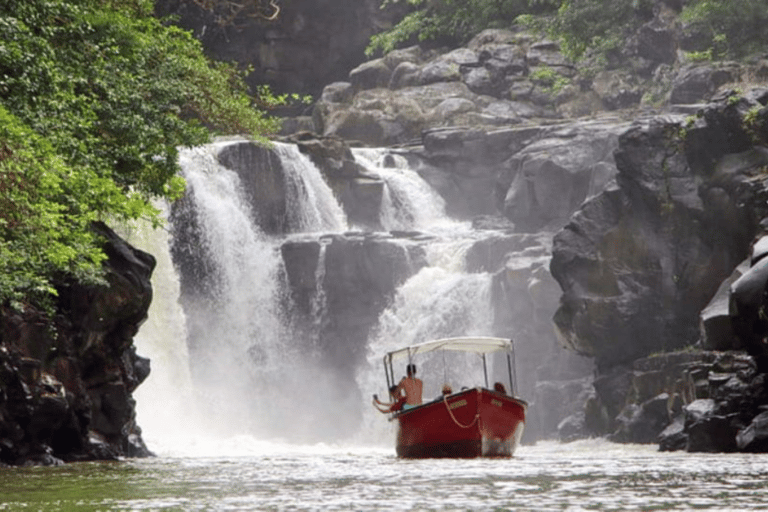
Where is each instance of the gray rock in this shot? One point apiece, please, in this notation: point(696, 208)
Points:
point(440, 70)
point(673, 437)
point(337, 92)
point(411, 55)
point(708, 431)
point(551, 178)
point(696, 83)
point(657, 42)
point(406, 74)
point(617, 89)
point(715, 328)
point(615, 262)
point(754, 437)
point(371, 74)
point(643, 423)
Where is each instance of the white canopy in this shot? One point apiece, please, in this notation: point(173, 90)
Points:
point(478, 345)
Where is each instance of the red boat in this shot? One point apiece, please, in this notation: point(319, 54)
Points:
point(475, 421)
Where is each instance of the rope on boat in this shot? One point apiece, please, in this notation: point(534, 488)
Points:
point(450, 413)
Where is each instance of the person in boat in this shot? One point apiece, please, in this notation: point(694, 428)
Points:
point(447, 389)
point(398, 400)
point(412, 386)
point(499, 388)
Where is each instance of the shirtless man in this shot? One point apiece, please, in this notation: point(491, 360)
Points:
point(412, 388)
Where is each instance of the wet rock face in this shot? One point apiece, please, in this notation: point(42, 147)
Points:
point(360, 276)
point(640, 261)
point(698, 401)
point(66, 384)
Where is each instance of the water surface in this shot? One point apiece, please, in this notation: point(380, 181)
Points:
point(591, 475)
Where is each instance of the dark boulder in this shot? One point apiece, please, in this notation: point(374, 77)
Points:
point(754, 437)
point(67, 380)
point(707, 430)
point(716, 326)
point(673, 437)
point(642, 423)
point(748, 296)
point(696, 83)
point(639, 262)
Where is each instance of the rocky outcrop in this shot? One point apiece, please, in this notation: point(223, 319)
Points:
point(360, 276)
point(492, 82)
point(66, 382)
point(504, 78)
point(658, 244)
point(310, 44)
point(648, 266)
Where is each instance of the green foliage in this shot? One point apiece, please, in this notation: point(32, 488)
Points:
point(549, 79)
point(45, 211)
point(600, 25)
point(96, 96)
point(732, 28)
point(755, 124)
point(454, 21)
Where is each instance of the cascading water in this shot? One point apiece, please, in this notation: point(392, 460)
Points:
point(167, 397)
point(250, 367)
point(245, 361)
point(441, 300)
point(408, 202)
point(236, 325)
point(311, 205)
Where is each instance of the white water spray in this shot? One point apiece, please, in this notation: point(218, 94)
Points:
point(166, 399)
point(311, 206)
point(408, 202)
point(251, 370)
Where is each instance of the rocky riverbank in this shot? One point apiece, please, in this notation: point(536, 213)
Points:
point(66, 381)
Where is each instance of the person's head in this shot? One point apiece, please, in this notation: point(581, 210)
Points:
point(499, 387)
point(410, 370)
point(393, 391)
point(447, 390)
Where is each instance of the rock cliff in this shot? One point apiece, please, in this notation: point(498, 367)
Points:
point(66, 381)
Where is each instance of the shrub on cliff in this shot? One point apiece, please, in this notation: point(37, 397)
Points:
point(95, 98)
point(729, 29)
point(718, 28)
point(600, 25)
point(453, 21)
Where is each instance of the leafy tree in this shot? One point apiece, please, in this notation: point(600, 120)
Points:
point(733, 28)
point(95, 98)
point(600, 25)
point(453, 21)
point(45, 211)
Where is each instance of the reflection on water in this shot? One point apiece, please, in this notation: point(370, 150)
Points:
point(590, 475)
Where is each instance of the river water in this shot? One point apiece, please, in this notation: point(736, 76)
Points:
point(245, 474)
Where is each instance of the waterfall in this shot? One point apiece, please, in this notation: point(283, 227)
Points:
point(319, 305)
point(166, 399)
point(311, 206)
point(441, 300)
point(409, 202)
point(250, 367)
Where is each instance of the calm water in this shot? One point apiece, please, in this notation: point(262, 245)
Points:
point(591, 475)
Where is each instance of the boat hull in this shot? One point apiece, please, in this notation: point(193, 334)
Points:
point(473, 423)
